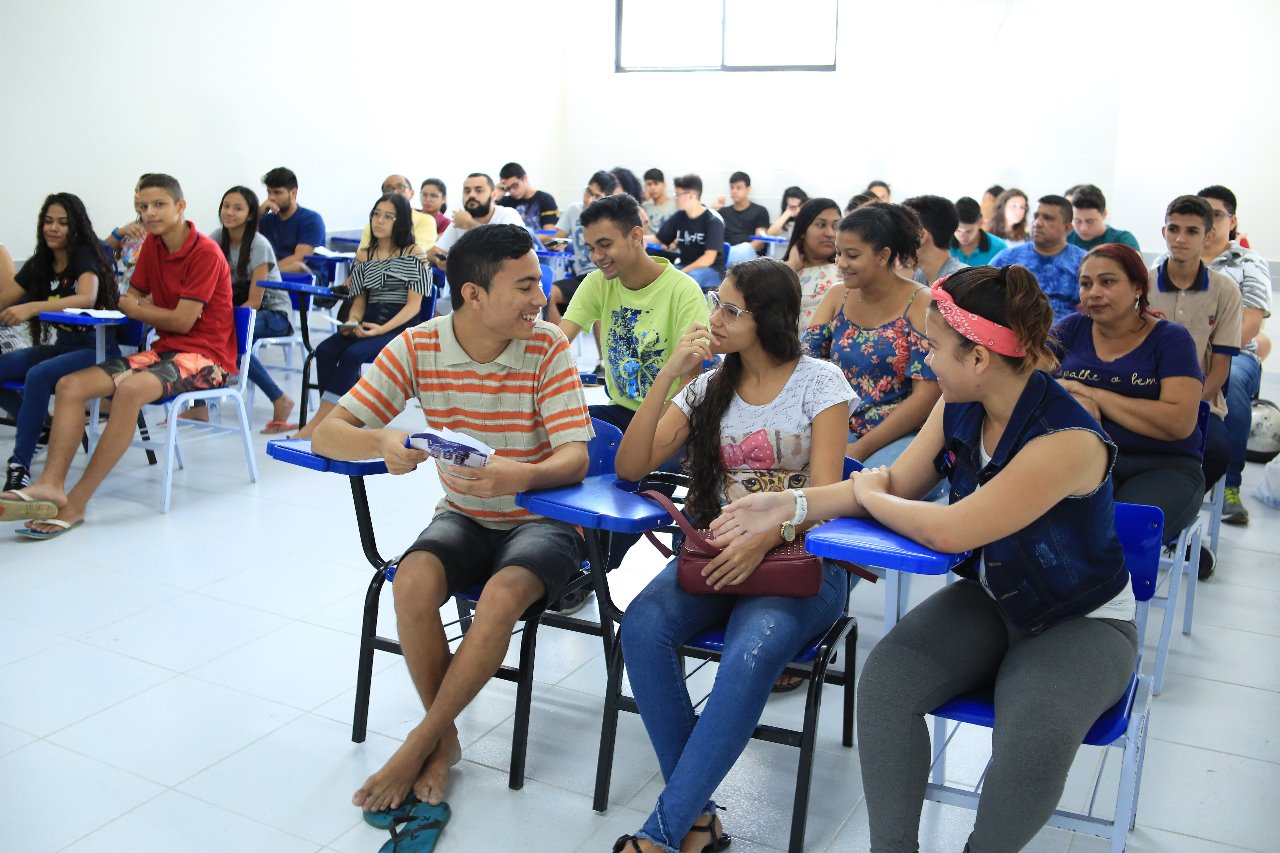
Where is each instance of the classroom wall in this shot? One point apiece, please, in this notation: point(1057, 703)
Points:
point(342, 93)
point(932, 95)
point(945, 97)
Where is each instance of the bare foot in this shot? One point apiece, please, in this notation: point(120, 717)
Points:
point(66, 513)
point(195, 413)
point(282, 408)
point(40, 492)
point(387, 788)
point(434, 779)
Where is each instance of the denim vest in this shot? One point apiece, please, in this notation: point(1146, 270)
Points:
point(1068, 561)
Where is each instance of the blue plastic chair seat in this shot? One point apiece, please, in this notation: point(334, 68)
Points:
point(978, 709)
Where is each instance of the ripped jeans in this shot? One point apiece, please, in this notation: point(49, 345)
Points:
point(762, 635)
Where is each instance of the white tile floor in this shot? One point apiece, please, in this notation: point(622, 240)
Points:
point(185, 681)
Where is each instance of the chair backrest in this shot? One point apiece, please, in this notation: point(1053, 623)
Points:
point(851, 465)
point(724, 259)
point(603, 449)
point(547, 275)
point(1141, 532)
point(1202, 424)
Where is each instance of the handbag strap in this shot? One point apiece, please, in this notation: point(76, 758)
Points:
point(688, 529)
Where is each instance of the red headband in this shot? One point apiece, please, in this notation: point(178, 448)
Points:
point(980, 330)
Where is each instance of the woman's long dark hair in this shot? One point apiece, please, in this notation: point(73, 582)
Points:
point(808, 212)
point(241, 270)
point(771, 291)
point(401, 230)
point(80, 234)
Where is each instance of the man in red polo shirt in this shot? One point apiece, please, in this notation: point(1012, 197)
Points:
point(181, 286)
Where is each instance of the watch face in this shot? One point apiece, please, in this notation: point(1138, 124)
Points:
point(788, 532)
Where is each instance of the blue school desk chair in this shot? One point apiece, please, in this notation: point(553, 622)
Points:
point(602, 450)
point(812, 663)
point(1123, 726)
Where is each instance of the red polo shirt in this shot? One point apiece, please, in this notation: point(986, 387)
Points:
point(196, 271)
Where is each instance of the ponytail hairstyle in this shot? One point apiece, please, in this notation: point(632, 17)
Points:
point(1012, 297)
point(771, 291)
point(1134, 269)
point(890, 226)
point(1001, 228)
point(240, 272)
point(80, 235)
point(809, 211)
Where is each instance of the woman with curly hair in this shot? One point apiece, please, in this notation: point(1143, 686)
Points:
point(1009, 220)
point(69, 269)
point(768, 418)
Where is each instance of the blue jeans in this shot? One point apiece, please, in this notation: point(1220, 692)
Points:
point(889, 454)
point(708, 278)
point(740, 252)
point(1243, 385)
point(39, 368)
point(762, 635)
point(268, 324)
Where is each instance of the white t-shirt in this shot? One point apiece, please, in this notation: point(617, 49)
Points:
point(1123, 607)
point(766, 448)
point(501, 216)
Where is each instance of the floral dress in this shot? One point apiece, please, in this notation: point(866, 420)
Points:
point(880, 362)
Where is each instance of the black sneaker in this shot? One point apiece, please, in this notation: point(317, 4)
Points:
point(1208, 563)
point(18, 477)
point(573, 602)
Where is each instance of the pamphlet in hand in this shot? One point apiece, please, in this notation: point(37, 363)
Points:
point(452, 447)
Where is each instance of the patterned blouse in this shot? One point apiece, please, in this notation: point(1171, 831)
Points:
point(388, 281)
point(814, 284)
point(880, 362)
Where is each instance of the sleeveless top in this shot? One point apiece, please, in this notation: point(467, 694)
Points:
point(879, 361)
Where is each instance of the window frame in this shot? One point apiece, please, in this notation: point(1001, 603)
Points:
point(619, 68)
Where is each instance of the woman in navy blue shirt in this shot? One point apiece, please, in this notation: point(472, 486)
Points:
point(1139, 375)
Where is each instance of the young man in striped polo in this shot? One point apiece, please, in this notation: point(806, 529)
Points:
point(493, 370)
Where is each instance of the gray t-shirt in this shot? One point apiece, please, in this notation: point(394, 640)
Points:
point(570, 225)
point(658, 213)
point(260, 252)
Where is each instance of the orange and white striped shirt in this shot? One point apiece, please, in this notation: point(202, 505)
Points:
point(524, 404)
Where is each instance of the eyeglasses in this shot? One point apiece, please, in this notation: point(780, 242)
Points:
point(731, 311)
point(398, 188)
point(1220, 214)
point(385, 217)
point(685, 192)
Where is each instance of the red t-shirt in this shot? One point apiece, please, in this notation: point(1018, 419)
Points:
point(196, 271)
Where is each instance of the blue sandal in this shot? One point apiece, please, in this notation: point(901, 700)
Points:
point(418, 831)
point(386, 818)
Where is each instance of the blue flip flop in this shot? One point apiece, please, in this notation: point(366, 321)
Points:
point(418, 831)
point(386, 818)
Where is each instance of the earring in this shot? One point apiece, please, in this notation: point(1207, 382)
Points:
point(1137, 304)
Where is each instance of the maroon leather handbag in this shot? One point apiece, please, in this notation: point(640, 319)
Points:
point(786, 570)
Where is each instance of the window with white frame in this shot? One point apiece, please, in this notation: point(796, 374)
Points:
point(725, 35)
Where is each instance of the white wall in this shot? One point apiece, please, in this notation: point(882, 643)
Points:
point(934, 96)
point(946, 97)
point(216, 94)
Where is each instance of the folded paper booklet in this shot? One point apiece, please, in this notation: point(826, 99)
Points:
point(452, 447)
point(99, 313)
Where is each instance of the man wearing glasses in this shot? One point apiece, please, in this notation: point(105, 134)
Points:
point(536, 207)
point(424, 224)
point(1249, 270)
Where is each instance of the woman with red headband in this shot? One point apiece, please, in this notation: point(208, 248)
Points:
point(1044, 612)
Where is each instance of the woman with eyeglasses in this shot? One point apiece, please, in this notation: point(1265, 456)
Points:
point(767, 419)
point(387, 285)
point(872, 327)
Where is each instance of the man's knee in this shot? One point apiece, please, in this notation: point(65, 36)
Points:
point(136, 390)
point(419, 584)
point(510, 592)
point(80, 385)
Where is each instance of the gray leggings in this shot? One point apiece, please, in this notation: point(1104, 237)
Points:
point(1049, 690)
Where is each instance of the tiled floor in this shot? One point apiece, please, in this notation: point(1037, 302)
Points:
point(185, 682)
